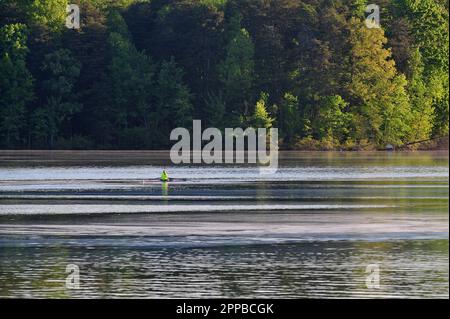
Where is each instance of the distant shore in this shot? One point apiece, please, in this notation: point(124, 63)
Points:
point(307, 145)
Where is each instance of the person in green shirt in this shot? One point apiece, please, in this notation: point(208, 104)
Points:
point(164, 176)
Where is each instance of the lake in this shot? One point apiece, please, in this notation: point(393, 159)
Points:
point(309, 231)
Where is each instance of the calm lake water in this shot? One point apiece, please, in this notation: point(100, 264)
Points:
point(310, 230)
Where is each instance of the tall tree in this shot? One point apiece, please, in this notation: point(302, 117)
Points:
point(173, 106)
point(431, 32)
point(421, 96)
point(261, 118)
point(236, 71)
point(190, 31)
point(16, 83)
point(378, 91)
point(89, 45)
point(131, 74)
point(289, 121)
point(215, 111)
point(62, 71)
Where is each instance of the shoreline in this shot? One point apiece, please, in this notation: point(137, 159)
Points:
point(301, 150)
point(431, 145)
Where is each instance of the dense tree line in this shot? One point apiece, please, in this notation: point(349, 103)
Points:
point(137, 69)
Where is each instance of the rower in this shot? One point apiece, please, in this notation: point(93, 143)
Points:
point(164, 176)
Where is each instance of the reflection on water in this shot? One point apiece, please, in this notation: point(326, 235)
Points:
point(308, 231)
point(332, 269)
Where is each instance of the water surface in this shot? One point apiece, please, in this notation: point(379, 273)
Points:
point(224, 231)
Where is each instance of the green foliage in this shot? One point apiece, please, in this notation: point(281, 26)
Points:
point(429, 19)
point(358, 7)
point(62, 72)
point(13, 38)
point(49, 13)
point(380, 102)
point(236, 71)
point(333, 122)
point(290, 120)
point(172, 99)
point(137, 69)
point(116, 24)
point(131, 81)
point(16, 84)
point(439, 88)
point(421, 97)
point(261, 118)
point(215, 108)
point(111, 4)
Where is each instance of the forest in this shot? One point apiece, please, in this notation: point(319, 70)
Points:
point(136, 69)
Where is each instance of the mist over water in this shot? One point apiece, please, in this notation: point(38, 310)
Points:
point(224, 231)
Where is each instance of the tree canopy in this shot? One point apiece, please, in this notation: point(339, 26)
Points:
point(136, 69)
